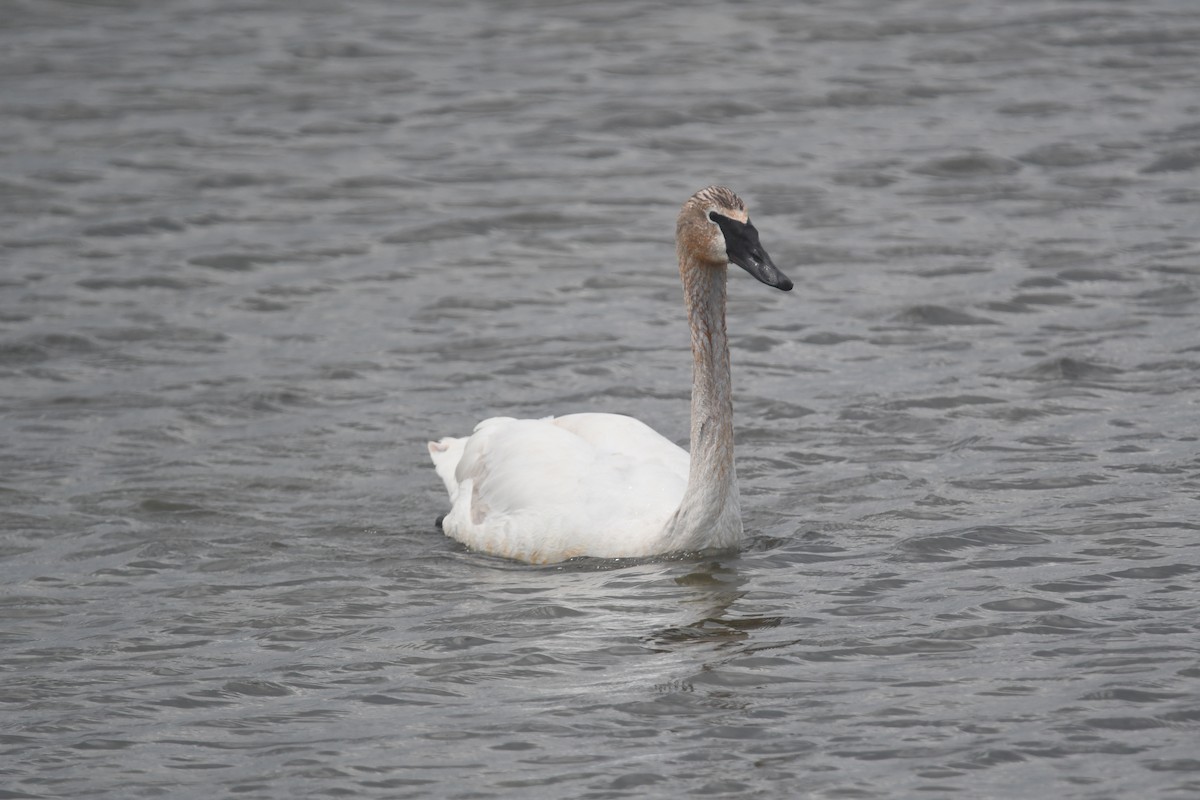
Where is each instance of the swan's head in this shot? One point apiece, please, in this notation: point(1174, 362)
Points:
point(715, 229)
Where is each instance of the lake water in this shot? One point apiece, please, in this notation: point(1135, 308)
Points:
point(253, 255)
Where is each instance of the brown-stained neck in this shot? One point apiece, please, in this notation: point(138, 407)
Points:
point(712, 390)
point(709, 512)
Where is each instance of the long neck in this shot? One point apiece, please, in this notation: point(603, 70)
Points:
point(709, 515)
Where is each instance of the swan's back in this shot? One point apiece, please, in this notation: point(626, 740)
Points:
point(545, 490)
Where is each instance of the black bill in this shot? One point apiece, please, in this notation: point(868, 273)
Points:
point(744, 249)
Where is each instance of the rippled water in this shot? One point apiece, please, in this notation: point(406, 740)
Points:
point(255, 254)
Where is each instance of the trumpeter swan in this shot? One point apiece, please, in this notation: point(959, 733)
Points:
point(607, 485)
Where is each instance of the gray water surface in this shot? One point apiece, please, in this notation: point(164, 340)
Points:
point(253, 255)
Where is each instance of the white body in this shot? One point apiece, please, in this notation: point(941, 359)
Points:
point(543, 490)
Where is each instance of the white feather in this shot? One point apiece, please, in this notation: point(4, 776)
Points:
point(543, 490)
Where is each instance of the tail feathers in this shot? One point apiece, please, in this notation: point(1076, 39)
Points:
point(446, 453)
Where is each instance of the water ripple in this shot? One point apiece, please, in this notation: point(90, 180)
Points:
point(255, 256)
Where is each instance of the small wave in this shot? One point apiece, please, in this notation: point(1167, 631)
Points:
point(938, 315)
point(1174, 161)
point(1064, 154)
point(135, 227)
point(968, 165)
point(1070, 369)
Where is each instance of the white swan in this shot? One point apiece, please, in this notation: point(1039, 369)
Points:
point(607, 485)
